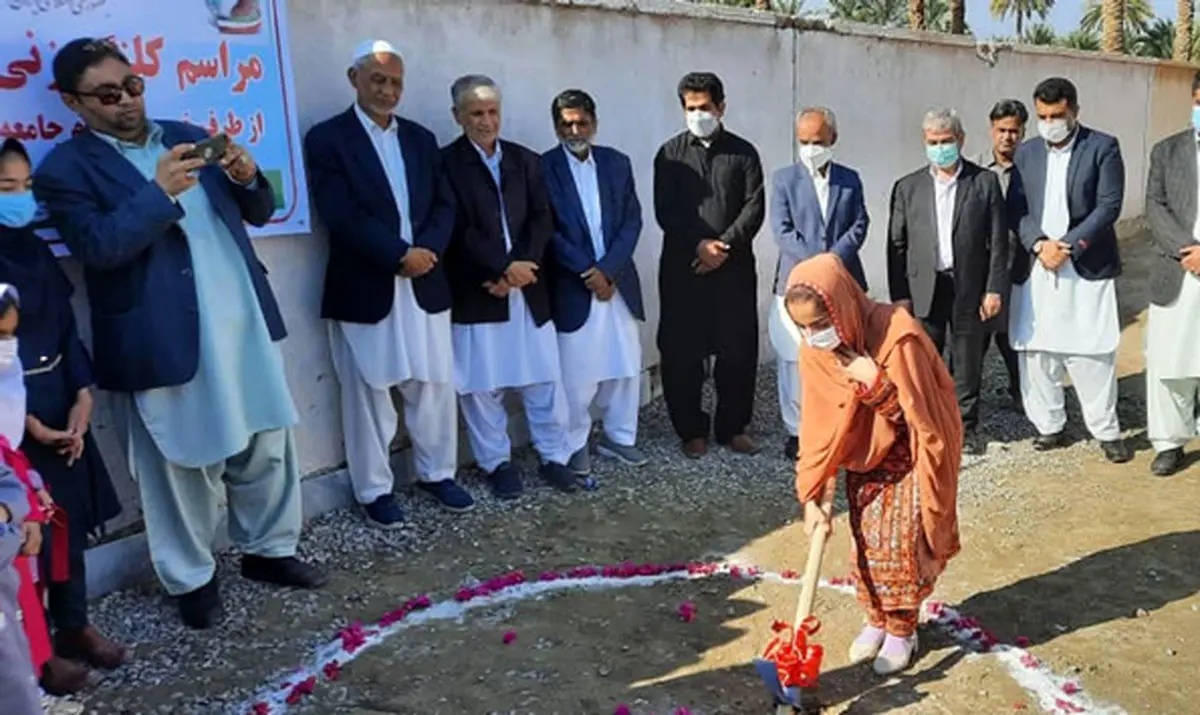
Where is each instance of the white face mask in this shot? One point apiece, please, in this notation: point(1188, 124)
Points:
point(815, 156)
point(824, 339)
point(1054, 131)
point(702, 124)
point(8, 352)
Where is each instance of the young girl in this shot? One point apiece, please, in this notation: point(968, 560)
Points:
point(18, 683)
point(57, 374)
point(879, 404)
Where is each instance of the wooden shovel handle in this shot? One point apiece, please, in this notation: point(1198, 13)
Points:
point(812, 574)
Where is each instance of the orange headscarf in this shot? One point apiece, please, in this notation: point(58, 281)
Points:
point(837, 430)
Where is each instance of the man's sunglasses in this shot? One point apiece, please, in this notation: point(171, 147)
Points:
point(110, 94)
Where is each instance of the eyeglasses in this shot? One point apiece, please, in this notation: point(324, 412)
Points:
point(110, 94)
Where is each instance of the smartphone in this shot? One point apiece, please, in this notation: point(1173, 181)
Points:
point(210, 150)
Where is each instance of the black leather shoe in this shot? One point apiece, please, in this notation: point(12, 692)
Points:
point(791, 448)
point(1116, 451)
point(559, 477)
point(201, 609)
point(283, 571)
point(1047, 442)
point(1167, 463)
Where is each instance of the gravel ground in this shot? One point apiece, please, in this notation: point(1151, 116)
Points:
point(191, 671)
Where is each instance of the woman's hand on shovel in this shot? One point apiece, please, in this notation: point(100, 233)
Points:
point(818, 515)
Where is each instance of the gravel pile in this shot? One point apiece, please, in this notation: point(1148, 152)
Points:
point(170, 656)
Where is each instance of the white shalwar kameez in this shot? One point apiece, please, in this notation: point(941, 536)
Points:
point(602, 360)
point(1063, 325)
point(490, 358)
point(1173, 363)
point(410, 350)
point(785, 336)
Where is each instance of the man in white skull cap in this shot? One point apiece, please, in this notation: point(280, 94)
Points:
point(379, 188)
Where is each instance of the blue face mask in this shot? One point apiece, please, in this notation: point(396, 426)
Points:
point(17, 210)
point(1196, 118)
point(942, 155)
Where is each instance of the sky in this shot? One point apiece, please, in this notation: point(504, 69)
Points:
point(1064, 17)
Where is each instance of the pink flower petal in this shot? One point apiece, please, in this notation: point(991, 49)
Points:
point(622, 709)
point(509, 637)
point(260, 709)
point(1071, 688)
point(687, 611)
point(1022, 642)
point(332, 670)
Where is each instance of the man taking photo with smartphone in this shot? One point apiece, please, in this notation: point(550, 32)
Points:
point(185, 327)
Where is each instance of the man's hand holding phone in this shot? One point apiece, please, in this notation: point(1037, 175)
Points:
point(238, 164)
point(175, 172)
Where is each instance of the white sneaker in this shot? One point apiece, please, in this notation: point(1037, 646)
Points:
point(895, 655)
point(866, 646)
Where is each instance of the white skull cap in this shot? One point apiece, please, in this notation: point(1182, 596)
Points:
point(374, 47)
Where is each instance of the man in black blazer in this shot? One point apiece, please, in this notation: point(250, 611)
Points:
point(503, 337)
point(948, 253)
point(379, 188)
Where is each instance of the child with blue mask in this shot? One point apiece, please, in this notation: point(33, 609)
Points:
point(56, 438)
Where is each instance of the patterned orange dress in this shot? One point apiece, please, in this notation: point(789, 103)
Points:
point(894, 567)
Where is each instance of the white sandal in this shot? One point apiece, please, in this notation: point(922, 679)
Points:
point(888, 662)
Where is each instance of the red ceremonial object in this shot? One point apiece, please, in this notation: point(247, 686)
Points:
point(797, 662)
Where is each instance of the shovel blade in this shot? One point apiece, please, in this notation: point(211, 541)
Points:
point(768, 671)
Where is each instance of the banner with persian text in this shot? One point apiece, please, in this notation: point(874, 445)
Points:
point(221, 64)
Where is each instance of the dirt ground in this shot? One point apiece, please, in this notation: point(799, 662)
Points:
point(1095, 564)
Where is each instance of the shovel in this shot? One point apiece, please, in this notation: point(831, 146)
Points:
point(790, 664)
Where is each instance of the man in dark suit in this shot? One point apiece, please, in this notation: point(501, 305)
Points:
point(596, 296)
point(708, 198)
point(816, 206)
point(948, 254)
point(1173, 328)
point(1066, 197)
point(184, 327)
point(1007, 118)
point(379, 188)
point(503, 337)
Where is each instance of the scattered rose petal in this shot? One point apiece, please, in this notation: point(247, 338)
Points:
point(1020, 706)
point(1030, 662)
point(353, 637)
point(332, 670)
point(1022, 642)
point(1067, 706)
point(622, 709)
point(683, 711)
point(1071, 688)
point(509, 637)
point(687, 611)
point(789, 574)
point(260, 709)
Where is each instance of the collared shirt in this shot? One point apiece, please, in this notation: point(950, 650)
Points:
point(945, 190)
point(1196, 223)
point(821, 186)
point(702, 192)
point(493, 166)
point(587, 184)
point(1004, 173)
point(391, 156)
point(1056, 213)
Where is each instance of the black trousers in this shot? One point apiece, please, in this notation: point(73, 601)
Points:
point(967, 342)
point(1010, 362)
point(67, 601)
point(702, 317)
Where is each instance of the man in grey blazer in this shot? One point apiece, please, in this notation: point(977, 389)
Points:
point(947, 254)
point(1066, 197)
point(1173, 328)
point(817, 206)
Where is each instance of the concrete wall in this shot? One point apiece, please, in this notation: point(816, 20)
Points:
point(629, 55)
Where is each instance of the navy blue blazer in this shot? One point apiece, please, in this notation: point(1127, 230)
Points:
point(1095, 192)
point(125, 231)
point(352, 196)
point(801, 231)
point(573, 252)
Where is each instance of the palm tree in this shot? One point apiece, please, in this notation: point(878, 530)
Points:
point(1020, 11)
point(1113, 24)
point(1040, 34)
point(1081, 40)
point(1184, 10)
point(873, 12)
point(916, 14)
point(958, 17)
point(1137, 15)
point(1157, 41)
